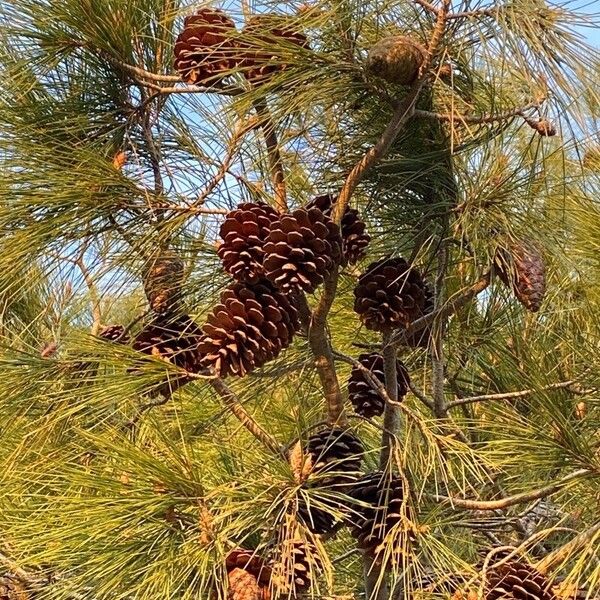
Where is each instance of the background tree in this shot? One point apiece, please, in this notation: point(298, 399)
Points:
point(375, 377)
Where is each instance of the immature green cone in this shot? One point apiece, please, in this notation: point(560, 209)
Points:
point(521, 266)
point(397, 59)
point(163, 282)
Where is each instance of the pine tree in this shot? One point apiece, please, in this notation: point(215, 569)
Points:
point(215, 216)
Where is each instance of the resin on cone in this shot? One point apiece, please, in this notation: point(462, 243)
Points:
point(521, 266)
point(302, 248)
point(250, 326)
point(367, 402)
point(390, 295)
point(244, 232)
point(397, 59)
point(267, 38)
point(204, 50)
point(355, 239)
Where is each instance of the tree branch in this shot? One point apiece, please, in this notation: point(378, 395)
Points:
point(234, 405)
point(478, 119)
point(391, 414)
point(512, 500)
point(511, 395)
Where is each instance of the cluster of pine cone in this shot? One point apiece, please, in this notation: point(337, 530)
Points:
point(209, 46)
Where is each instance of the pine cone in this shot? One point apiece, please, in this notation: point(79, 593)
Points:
point(354, 237)
point(243, 233)
point(249, 561)
point(302, 248)
point(320, 519)
point(261, 37)
point(114, 333)
point(12, 589)
point(163, 281)
point(517, 580)
point(251, 326)
point(380, 509)
point(204, 49)
point(389, 294)
point(297, 565)
point(174, 340)
point(397, 59)
point(366, 401)
point(243, 586)
point(420, 338)
point(521, 266)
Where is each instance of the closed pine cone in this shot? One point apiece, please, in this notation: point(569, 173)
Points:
point(204, 49)
point(243, 233)
point(521, 267)
point(250, 326)
point(380, 510)
point(174, 340)
point(390, 294)
point(517, 580)
point(163, 281)
point(397, 59)
point(241, 558)
point(114, 333)
point(355, 239)
point(261, 37)
point(367, 402)
point(302, 248)
point(12, 589)
point(244, 586)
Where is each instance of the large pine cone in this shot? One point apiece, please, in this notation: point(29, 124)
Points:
point(355, 239)
point(301, 249)
point(297, 565)
point(521, 267)
point(243, 233)
point(389, 294)
point(163, 282)
point(517, 580)
point(12, 589)
point(204, 49)
point(250, 326)
point(397, 59)
point(366, 401)
point(174, 340)
point(263, 37)
point(380, 510)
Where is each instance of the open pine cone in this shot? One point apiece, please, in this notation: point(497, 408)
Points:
point(248, 574)
point(250, 326)
point(174, 340)
point(114, 333)
point(389, 295)
point(12, 589)
point(521, 267)
point(517, 580)
point(301, 249)
point(366, 401)
point(204, 49)
point(243, 233)
point(380, 497)
point(262, 37)
point(163, 282)
point(295, 567)
point(355, 239)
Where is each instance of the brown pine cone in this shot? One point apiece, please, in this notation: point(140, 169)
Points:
point(355, 239)
point(517, 580)
point(204, 50)
point(243, 233)
point(12, 589)
point(114, 333)
point(265, 40)
point(521, 267)
point(302, 248)
point(397, 59)
point(389, 294)
point(248, 560)
point(250, 326)
point(243, 586)
point(163, 282)
point(380, 497)
point(366, 401)
point(296, 566)
point(174, 340)
point(420, 339)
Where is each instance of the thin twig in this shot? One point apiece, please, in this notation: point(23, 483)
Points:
point(512, 395)
point(512, 500)
point(437, 338)
point(391, 414)
point(420, 394)
point(95, 300)
point(273, 153)
point(233, 403)
point(477, 119)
